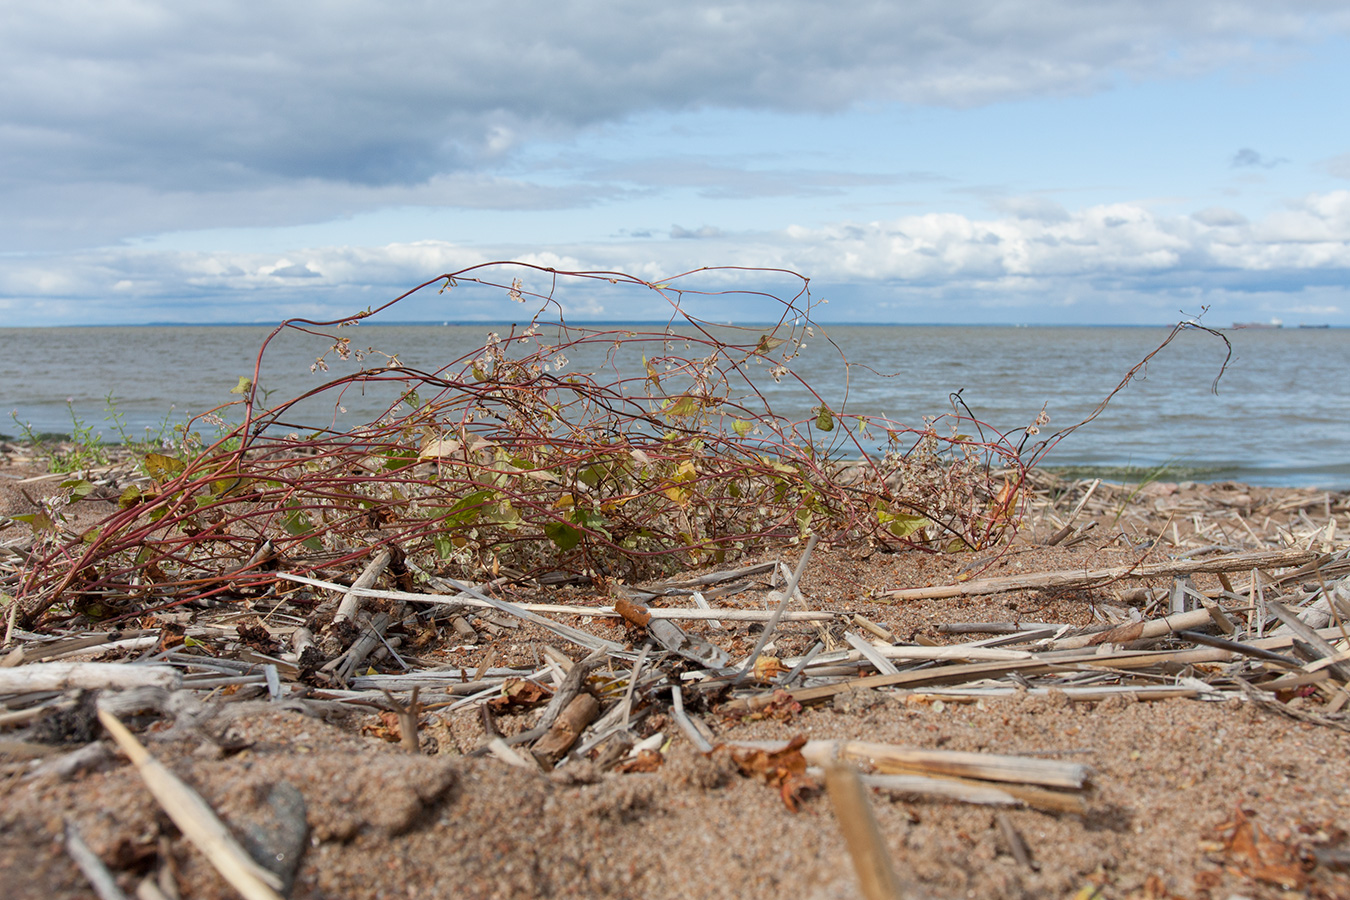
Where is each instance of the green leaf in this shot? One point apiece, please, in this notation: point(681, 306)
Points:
point(902, 525)
point(742, 427)
point(768, 342)
point(445, 547)
point(130, 497)
point(243, 387)
point(297, 523)
point(825, 419)
point(564, 536)
point(469, 508)
point(78, 489)
point(38, 521)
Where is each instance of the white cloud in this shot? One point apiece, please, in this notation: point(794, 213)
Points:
point(1106, 254)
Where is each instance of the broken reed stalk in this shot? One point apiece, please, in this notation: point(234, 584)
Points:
point(862, 836)
point(777, 613)
point(1074, 578)
point(195, 818)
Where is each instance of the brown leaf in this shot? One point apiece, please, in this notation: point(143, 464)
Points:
point(517, 693)
point(387, 730)
point(632, 613)
point(645, 761)
point(1260, 857)
point(784, 769)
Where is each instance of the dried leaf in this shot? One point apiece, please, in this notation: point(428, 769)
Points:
point(784, 769)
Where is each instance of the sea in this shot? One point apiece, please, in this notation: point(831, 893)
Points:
point(1274, 412)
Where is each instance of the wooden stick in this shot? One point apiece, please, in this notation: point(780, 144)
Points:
point(862, 836)
point(195, 818)
point(351, 600)
point(777, 613)
point(100, 879)
point(607, 612)
point(600, 611)
point(1075, 578)
point(63, 676)
point(582, 711)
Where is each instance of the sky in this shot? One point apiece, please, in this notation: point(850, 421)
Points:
point(1043, 161)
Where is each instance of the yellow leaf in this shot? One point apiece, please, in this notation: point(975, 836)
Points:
point(438, 448)
point(161, 467)
point(768, 342)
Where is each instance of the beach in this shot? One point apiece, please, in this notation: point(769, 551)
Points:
point(1198, 786)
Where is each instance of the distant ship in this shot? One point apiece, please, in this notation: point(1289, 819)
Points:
point(1273, 323)
point(1314, 326)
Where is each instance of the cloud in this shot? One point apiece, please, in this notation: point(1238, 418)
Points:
point(702, 233)
point(738, 180)
point(1249, 158)
point(1218, 217)
point(1337, 166)
point(1122, 257)
point(293, 270)
point(171, 104)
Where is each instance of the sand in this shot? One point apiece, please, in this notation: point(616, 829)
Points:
point(1188, 798)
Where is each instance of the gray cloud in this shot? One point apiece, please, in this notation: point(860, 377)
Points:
point(1337, 166)
point(742, 180)
point(178, 103)
point(702, 233)
point(1249, 158)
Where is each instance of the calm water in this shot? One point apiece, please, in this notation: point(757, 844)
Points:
point(1281, 414)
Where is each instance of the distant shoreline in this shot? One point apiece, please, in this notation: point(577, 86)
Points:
point(589, 323)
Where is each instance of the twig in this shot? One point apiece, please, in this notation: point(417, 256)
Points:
point(100, 878)
point(195, 818)
point(351, 601)
point(62, 676)
point(872, 862)
point(1073, 578)
point(777, 613)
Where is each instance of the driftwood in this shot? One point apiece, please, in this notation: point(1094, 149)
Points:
point(582, 711)
point(351, 601)
point(63, 676)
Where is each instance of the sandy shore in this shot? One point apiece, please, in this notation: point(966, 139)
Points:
point(1196, 798)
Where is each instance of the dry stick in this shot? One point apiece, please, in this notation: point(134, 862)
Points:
point(879, 662)
point(1077, 578)
point(195, 818)
point(632, 683)
point(62, 676)
point(862, 836)
point(100, 879)
point(687, 724)
point(351, 601)
point(581, 712)
point(575, 635)
point(1068, 523)
point(608, 612)
point(407, 721)
point(1318, 644)
point(777, 613)
point(1016, 844)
